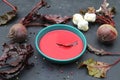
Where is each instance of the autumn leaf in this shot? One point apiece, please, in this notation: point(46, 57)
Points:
point(7, 17)
point(95, 68)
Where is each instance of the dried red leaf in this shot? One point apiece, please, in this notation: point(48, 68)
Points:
point(101, 52)
point(56, 19)
point(46, 20)
point(32, 15)
point(36, 19)
point(14, 59)
point(105, 14)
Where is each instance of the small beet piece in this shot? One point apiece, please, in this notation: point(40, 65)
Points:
point(68, 45)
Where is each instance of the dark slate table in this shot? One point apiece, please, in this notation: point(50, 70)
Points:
point(44, 70)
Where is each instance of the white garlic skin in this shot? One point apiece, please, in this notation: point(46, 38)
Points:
point(100, 9)
point(83, 25)
point(90, 17)
point(76, 18)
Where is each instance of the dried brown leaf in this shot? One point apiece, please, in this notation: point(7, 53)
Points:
point(14, 59)
point(7, 17)
point(101, 52)
point(95, 68)
point(56, 19)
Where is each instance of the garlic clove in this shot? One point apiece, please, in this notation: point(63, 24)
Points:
point(76, 18)
point(83, 25)
point(90, 17)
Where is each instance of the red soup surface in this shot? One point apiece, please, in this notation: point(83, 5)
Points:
point(48, 44)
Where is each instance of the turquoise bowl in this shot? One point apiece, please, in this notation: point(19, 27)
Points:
point(45, 30)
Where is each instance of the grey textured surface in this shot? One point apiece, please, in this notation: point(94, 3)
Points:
point(44, 70)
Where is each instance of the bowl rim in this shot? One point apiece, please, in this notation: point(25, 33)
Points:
point(59, 60)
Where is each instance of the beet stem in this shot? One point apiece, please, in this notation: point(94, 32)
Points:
point(116, 62)
point(38, 6)
point(37, 24)
point(29, 17)
point(110, 65)
point(105, 20)
point(9, 4)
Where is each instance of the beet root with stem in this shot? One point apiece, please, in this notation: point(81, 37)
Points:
point(18, 32)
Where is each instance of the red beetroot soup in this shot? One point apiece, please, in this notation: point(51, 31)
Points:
point(48, 44)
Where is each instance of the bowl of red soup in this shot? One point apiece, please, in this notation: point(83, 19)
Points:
point(60, 43)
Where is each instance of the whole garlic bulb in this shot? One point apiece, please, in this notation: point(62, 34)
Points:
point(76, 18)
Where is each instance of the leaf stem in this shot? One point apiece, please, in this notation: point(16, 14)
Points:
point(116, 62)
point(9, 4)
point(110, 65)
